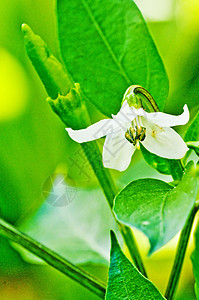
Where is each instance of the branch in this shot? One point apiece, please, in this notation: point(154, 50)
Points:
point(90, 282)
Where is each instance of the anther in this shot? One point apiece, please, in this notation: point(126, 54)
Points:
point(142, 134)
point(139, 130)
point(128, 137)
point(132, 133)
point(136, 135)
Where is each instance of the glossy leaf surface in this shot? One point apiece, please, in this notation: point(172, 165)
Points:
point(106, 47)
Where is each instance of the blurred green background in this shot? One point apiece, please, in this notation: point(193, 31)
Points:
point(34, 144)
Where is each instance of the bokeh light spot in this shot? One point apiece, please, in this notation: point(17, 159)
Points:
point(13, 86)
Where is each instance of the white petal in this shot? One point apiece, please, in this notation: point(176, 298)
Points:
point(164, 142)
point(125, 116)
point(139, 111)
point(117, 151)
point(166, 120)
point(93, 132)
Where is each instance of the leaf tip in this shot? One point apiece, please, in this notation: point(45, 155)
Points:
point(114, 241)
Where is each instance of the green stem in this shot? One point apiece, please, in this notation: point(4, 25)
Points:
point(94, 157)
point(147, 96)
point(132, 247)
point(90, 282)
point(180, 254)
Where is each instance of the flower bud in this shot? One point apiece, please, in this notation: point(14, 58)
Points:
point(132, 99)
point(71, 108)
point(50, 70)
point(65, 97)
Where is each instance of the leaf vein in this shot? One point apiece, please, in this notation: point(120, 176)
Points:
point(105, 41)
point(122, 276)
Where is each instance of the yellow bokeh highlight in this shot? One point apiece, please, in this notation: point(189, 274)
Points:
point(13, 86)
point(188, 12)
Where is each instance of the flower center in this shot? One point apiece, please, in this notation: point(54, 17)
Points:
point(136, 133)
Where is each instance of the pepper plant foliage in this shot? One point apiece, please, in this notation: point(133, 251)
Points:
point(161, 202)
point(106, 47)
point(125, 281)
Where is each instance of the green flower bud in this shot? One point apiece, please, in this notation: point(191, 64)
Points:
point(71, 108)
point(50, 70)
point(137, 97)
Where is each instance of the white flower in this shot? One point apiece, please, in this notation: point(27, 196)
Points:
point(130, 127)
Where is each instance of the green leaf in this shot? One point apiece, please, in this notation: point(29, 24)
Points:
point(194, 146)
point(192, 133)
point(76, 230)
point(165, 166)
point(107, 47)
point(156, 208)
point(125, 281)
point(158, 163)
point(195, 261)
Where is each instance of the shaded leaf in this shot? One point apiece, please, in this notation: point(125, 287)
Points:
point(192, 133)
point(156, 208)
point(106, 47)
point(194, 146)
point(163, 165)
point(125, 281)
point(158, 163)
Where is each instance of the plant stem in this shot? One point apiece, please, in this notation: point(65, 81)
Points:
point(94, 157)
point(150, 101)
point(90, 282)
point(132, 247)
point(180, 254)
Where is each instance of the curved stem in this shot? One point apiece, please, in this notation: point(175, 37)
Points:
point(180, 254)
point(85, 279)
point(148, 97)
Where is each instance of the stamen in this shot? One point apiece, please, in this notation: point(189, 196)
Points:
point(154, 132)
point(128, 137)
point(136, 122)
point(136, 135)
point(140, 121)
point(132, 133)
point(143, 134)
point(139, 130)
